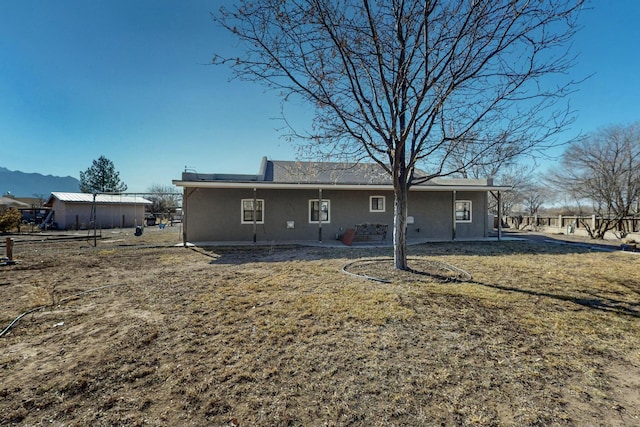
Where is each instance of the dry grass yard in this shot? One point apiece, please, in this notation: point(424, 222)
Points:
point(542, 334)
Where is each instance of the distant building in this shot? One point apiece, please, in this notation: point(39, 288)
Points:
point(74, 211)
point(8, 201)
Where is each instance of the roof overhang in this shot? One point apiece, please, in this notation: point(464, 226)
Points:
point(320, 186)
point(99, 198)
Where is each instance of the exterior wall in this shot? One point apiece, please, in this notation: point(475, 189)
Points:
point(478, 227)
point(215, 214)
point(71, 216)
point(60, 213)
point(432, 214)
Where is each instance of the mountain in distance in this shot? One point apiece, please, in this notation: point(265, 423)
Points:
point(21, 184)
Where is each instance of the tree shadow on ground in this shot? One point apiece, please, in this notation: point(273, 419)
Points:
point(598, 303)
point(288, 252)
point(438, 272)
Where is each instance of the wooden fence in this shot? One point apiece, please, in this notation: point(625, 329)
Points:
point(567, 224)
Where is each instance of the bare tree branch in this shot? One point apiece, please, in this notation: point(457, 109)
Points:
point(435, 85)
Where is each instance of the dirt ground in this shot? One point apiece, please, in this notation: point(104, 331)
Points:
point(136, 331)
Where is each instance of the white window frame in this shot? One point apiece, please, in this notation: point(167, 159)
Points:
point(470, 205)
point(260, 202)
point(384, 203)
point(324, 201)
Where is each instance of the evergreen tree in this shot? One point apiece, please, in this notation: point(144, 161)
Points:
point(101, 177)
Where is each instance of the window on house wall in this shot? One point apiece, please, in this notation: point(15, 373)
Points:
point(376, 204)
point(247, 211)
point(318, 211)
point(463, 211)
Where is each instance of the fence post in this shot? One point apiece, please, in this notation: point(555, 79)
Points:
point(9, 248)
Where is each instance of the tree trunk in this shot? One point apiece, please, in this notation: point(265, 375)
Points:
point(400, 227)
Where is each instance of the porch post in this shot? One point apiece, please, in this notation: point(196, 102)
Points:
point(499, 216)
point(453, 206)
point(185, 196)
point(255, 226)
point(185, 213)
point(320, 215)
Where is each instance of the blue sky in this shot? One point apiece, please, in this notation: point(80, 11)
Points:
point(131, 80)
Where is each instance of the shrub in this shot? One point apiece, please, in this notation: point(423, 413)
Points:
point(9, 219)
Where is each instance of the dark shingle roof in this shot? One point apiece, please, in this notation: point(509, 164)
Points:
point(280, 172)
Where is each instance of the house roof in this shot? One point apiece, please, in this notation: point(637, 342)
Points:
point(10, 202)
point(326, 175)
point(122, 199)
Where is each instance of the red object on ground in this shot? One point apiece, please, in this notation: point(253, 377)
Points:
point(347, 237)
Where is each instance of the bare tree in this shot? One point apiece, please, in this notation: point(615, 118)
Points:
point(38, 200)
point(164, 198)
point(467, 163)
point(534, 195)
point(603, 170)
point(408, 83)
point(518, 177)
